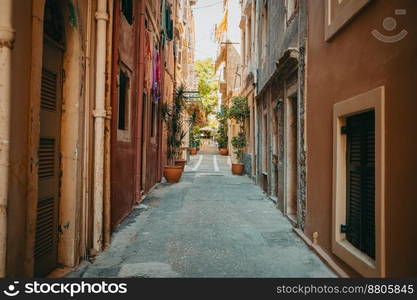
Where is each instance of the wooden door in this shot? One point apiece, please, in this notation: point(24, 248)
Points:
point(46, 239)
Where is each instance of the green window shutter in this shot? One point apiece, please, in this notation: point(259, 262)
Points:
point(360, 216)
point(169, 24)
point(127, 9)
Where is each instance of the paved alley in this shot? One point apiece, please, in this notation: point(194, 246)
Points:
point(211, 224)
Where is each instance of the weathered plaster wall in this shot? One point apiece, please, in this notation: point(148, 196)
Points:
point(18, 184)
point(72, 134)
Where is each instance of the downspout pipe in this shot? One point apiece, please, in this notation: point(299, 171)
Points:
point(6, 46)
point(141, 70)
point(107, 139)
point(99, 115)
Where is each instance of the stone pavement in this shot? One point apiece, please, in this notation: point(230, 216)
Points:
point(211, 224)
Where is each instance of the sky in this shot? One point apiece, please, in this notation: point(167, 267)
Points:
point(207, 14)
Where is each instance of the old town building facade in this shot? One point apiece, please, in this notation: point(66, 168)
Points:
point(82, 140)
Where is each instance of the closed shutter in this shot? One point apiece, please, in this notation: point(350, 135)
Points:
point(169, 24)
point(46, 237)
point(360, 216)
point(127, 9)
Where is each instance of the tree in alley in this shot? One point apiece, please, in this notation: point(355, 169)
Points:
point(207, 85)
point(239, 112)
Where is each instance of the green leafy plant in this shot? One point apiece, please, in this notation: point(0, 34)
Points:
point(222, 138)
point(222, 141)
point(195, 137)
point(239, 112)
point(239, 143)
point(171, 114)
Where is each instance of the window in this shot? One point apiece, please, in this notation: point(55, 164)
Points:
point(358, 235)
point(360, 183)
point(122, 101)
point(169, 23)
point(339, 12)
point(127, 9)
point(123, 115)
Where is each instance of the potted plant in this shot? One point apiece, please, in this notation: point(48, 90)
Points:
point(222, 138)
point(193, 145)
point(238, 112)
point(197, 142)
point(172, 116)
point(194, 140)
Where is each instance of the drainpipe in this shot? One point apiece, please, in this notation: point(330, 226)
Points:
point(141, 70)
point(86, 146)
point(6, 46)
point(99, 115)
point(107, 139)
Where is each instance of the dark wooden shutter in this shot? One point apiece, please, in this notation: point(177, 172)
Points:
point(360, 217)
point(46, 237)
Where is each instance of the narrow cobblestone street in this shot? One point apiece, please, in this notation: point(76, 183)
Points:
point(211, 224)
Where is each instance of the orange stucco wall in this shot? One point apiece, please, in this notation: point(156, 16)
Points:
point(354, 62)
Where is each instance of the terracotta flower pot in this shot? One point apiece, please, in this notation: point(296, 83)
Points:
point(172, 173)
point(193, 151)
point(224, 151)
point(237, 169)
point(180, 163)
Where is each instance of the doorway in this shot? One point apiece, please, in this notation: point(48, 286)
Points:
point(291, 184)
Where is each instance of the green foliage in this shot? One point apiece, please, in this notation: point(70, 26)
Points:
point(222, 141)
point(195, 137)
point(222, 138)
point(239, 111)
point(222, 115)
point(239, 143)
point(172, 116)
point(207, 85)
point(196, 115)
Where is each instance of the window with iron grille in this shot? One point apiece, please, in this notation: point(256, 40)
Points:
point(360, 204)
point(127, 9)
